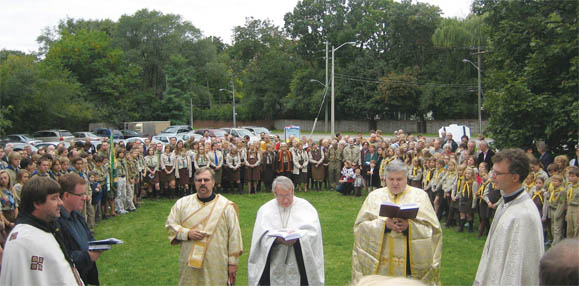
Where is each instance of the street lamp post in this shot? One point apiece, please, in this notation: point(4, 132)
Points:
point(232, 101)
point(333, 108)
point(477, 67)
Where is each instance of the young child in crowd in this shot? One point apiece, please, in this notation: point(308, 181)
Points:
point(415, 173)
point(557, 196)
point(572, 216)
point(346, 181)
point(359, 182)
point(374, 177)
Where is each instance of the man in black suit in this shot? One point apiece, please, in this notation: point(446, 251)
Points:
point(485, 154)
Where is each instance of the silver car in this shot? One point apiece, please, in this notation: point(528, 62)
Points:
point(54, 135)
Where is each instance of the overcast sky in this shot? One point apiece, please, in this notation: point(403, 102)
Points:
point(21, 21)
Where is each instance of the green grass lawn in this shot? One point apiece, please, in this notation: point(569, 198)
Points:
point(147, 258)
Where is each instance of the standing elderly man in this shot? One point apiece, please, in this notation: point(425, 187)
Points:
point(206, 226)
point(276, 261)
point(74, 227)
point(515, 243)
point(486, 154)
point(396, 246)
point(352, 153)
point(35, 253)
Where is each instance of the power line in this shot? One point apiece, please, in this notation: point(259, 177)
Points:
point(424, 84)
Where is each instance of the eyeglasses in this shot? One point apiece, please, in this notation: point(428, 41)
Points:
point(283, 196)
point(496, 174)
point(78, 195)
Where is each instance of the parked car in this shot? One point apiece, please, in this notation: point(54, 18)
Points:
point(257, 131)
point(133, 139)
point(161, 138)
point(130, 133)
point(176, 129)
point(186, 136)
point(212, 132)
point(22, 138)
point(53, 135)
point(105, 132)
point(241, 133)
point(46, 144)
point(17, 146)
point(81, 137)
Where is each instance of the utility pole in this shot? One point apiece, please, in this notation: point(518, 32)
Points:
point(233, 100)
point(326, 91)
point(479, 91)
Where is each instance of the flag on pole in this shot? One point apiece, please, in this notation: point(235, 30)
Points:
point(112, 169)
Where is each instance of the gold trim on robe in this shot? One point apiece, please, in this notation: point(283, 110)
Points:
point(377, 252)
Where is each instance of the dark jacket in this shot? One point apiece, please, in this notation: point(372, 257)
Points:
point(481, 158)
point(77, 235)
point(546, 159)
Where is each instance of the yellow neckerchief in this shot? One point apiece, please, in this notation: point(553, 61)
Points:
point(529, 186)
point(481, 190)
point(438, 172)
point(459, 182)
point(467, 187)
point(429, 175)
point(552, 198)
point(538, 193)
point(415, 170)
point(390, 159)
point(571, 188)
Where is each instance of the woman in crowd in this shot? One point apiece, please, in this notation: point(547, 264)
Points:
point(252, 167)
point(300, 163)
point(152, 171)
point(268, 166)
point(316, 160)
point(233, 166)
point(7, 201)
point(183, 170)
point(168, 171)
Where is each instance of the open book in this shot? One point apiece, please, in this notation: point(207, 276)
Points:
point(285, 234)
point(392, 210)
point(104, 244)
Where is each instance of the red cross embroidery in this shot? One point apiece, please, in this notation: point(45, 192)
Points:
point(36, 263)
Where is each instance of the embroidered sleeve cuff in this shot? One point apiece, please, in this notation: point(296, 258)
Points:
point(183, 234)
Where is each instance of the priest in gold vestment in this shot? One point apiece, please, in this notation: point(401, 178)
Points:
point(394, 246)
point(206, 226)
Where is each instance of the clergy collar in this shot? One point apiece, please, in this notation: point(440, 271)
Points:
point(513, 195)
point(206, 200)
point(36, 222)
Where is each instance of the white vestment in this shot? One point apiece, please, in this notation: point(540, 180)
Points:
point(33, 257)
point(514, 245)
point(302, 217)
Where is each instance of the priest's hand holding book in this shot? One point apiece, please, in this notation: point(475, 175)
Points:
point(397, 224)
point(397, 216)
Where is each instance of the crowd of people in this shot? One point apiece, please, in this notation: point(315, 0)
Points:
point(457, 178)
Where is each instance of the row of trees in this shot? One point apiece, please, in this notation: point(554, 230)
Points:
point(406, 63)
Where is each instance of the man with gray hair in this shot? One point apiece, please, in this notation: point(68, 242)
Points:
point(560, 265)
point(275, 258)
point(397, 246)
